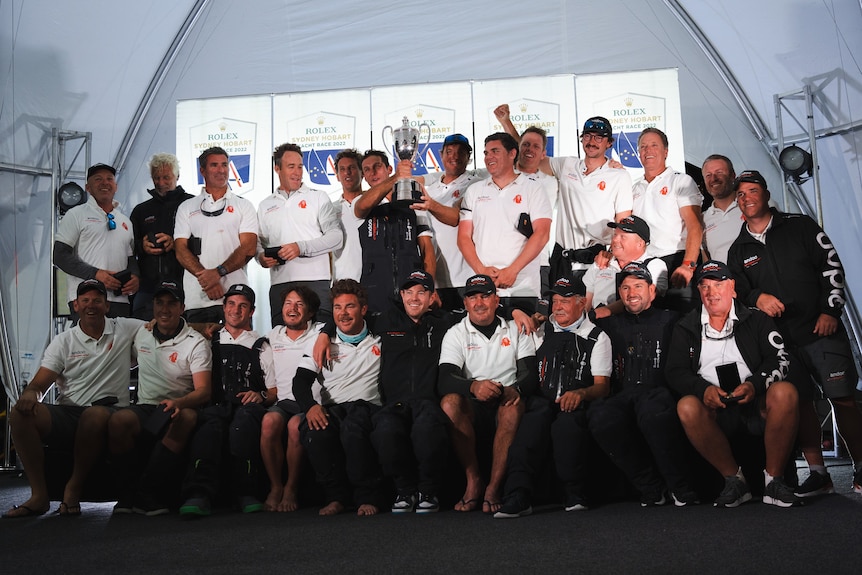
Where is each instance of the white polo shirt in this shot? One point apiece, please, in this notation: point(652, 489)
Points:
point(602, 283)
point(549, 184)
point(354, 371)
point(85, 229)
point(494, 213)
point(165, 368)
point(720, 229)
point(587, 202)
point(658, 203)
point(282, 356)
point(307, 217)
point(347, 261)
point(93, 368)
point(482, 358)
point(452, 269)
point(219, 239)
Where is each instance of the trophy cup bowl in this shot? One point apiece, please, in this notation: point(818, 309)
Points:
point(405, 145)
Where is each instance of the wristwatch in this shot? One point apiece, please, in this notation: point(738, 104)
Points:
point(222, 271)
point(689, 264)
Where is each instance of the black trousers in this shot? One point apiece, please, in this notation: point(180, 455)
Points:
point(530, 446)
point(570, 437)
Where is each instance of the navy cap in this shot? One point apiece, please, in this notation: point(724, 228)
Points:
point(479, 283)
point(457, 139)
point(92, 284)
point(171, 288)
point(419, 277)
point(98, 167)
point(636, 269)
point(598, 125)
point(240, 289)
point(567, 288)
point(712, 269)
point(632, 225)
point(750, 176)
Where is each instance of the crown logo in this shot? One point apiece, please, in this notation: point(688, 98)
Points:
point(320, 120)
point(420, 112)
point(222, 127)
point(629, 102)
point(523, 106)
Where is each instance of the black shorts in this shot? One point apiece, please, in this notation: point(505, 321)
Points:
point(829, 362)
point(64, 425)
point(746, 418)
point(286, 408)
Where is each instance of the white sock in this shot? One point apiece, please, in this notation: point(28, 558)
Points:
point(767, 478)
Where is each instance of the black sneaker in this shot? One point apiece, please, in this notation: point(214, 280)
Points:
point(576, 503)
point(195, 507)
point(734, 494)
point(517, 504)
point(248, 504)
point(780, 494)
point(816, 484)
point(653, 499)
point(427, 504)
point(404, 503)
point(685, 497)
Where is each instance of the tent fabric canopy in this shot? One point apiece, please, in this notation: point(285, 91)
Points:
point(117, 69)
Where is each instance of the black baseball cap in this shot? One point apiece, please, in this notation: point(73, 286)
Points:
point(419, 277)
point(479, 283)
point(457, 139)
point(632, 225)
point(598, 125)
point(636, 269)
point(712, 269)
point(172, 288)
point(98, 167)
point(751, 176)
point(240, 289)
point(92, 284)
point(567, 287)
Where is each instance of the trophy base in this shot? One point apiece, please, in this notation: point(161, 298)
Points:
point(406, 192)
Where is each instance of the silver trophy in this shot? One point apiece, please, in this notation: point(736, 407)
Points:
point(406, 146)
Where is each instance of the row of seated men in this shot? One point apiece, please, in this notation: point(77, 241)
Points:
point(497, 226)
point(374, 396)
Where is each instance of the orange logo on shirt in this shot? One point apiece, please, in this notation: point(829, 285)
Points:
point(518, 199)
point(602, 185)
point(230, 209)
point(506, 342)
point(375, 350)
point(173, 357)
point(302, 204)
point(663, 191)
point(110, 345)
point(456, 194)
point(125, 227)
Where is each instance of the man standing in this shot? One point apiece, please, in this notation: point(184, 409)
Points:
point(629, 244)
point(486, 366)
point(288, 343)
point(670, 203)
point(336, 431)
point(505, 223)
point(722, 220)
point(298, 229)
point(215, 236)
point(94, 359)
point(153, 226)
point(787, 267)
point(347, 261)
point(95, 241)
point(174, 380)
point(242, 389)
point(395, 239)
point(729, 364)
point(591, 194)
point(637, 425)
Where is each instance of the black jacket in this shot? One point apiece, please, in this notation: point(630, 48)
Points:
point(798, 265)
point(757, 338)
point(157, 215)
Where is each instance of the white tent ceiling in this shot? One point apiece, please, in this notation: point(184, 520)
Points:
point(87, 65)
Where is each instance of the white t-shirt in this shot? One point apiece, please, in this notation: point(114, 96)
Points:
point(93, 368)
point(165, 368)
point(347, 261)
point(283, 355)
point(483, 358)
point(720, 229)
point(85, 229)
point(602, 283)
point(219, 239)
point(587, 202)
point(307, 217)
point(494, 213)
point(354, 371)
point(658, 203)
point(452, 269)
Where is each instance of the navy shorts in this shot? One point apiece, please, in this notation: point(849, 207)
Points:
point(829, 362)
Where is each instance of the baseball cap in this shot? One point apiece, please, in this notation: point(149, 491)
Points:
point(635, 269)
point(92, 284)
point(598, 125)
point(479, 283)
point(632, 225)
point(751, 176)
point(457, 139)
point(419, 277)
point(240, 289)
point(171, 288)
point(712, 269)
point(97, 167)
point(567, 287)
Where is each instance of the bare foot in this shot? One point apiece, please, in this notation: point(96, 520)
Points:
point(366, 510)
point(334, 508)
point(272, 500)
point(29, 508)
point(471, 499)
point(288, 502)
point(491, 502)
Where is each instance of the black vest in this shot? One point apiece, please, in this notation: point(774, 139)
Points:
point(236, 369)
point(564, 361)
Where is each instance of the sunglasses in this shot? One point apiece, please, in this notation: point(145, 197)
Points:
point(112, 225)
